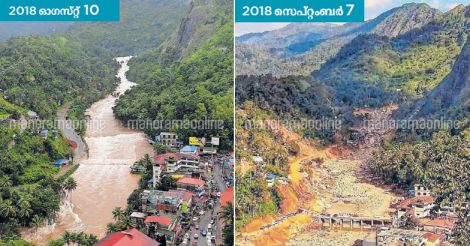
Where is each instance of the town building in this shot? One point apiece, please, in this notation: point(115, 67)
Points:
point(421, 190)
point(168, 139)
point(440, 225)
point(167, 225)
point(172, 201)
point(451, 211)
point(393, 236)
point(137, 168)
point(209, 150)
point(172, 162)
point(190, 184)
point(226, 197)
point(137, 219)
point(189, 149)
point(417, 206)
point(130, 237)
point(447, 211)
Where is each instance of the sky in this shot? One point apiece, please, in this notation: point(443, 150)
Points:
point(373, 8)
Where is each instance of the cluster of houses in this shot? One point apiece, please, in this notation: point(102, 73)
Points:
point(174, 213)
point(433, 224)
point(196, 145)
point(270, 177)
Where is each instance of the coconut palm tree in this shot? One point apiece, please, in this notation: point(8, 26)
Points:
point(69, 185)
point(110, 228)
point(67, 237)
point(117, 213)
point(5, 184)
point(24, 209)
point(36, 221)
point(7, 209)
point(228, 217)
point(125, 222)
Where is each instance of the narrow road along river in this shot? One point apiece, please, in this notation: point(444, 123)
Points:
point(103, 179)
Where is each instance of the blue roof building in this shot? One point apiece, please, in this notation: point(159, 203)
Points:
point(44, 133)
point(270, 177)
point(60, 162)
point(189, 149)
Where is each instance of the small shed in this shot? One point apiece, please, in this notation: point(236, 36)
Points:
point(32, 115)
point(44, 134)
point(61, 162)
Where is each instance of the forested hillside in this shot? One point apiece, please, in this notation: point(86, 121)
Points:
point(40, 73)
point(135, 32)
point(254, 198)
point(291, 97)
point(303, 48)
point(29, 188)
point(196, 87)
point(409, 65)
point(452, 96)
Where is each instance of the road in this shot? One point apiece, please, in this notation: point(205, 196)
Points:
point(69, 133)
point(204, 221)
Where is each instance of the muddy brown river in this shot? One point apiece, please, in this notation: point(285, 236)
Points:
point(103, 179)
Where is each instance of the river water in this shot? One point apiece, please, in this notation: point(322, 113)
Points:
point(103, 179)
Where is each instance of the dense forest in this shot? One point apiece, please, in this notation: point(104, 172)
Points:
point(409, 65)
point(197, 86)
point(41, 73)
point(439, 162)
point(292, 97)
point(30, 188)
point(254, 198)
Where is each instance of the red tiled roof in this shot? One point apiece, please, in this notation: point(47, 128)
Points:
point(163, 220)
point(431, 237)
point(191, 181)
point(160, 159)
point(226, 197)
point(130, 237)
point(187, 195)
point(416, 199)
point(441, 222)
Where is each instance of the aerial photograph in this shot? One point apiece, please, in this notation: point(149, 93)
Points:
point(355, 133)
point(119, 133)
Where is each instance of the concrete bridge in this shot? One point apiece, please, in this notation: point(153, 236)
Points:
point(351, 222)
point(344, 221)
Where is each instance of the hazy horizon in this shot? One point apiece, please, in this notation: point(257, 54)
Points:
point(373, 8)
